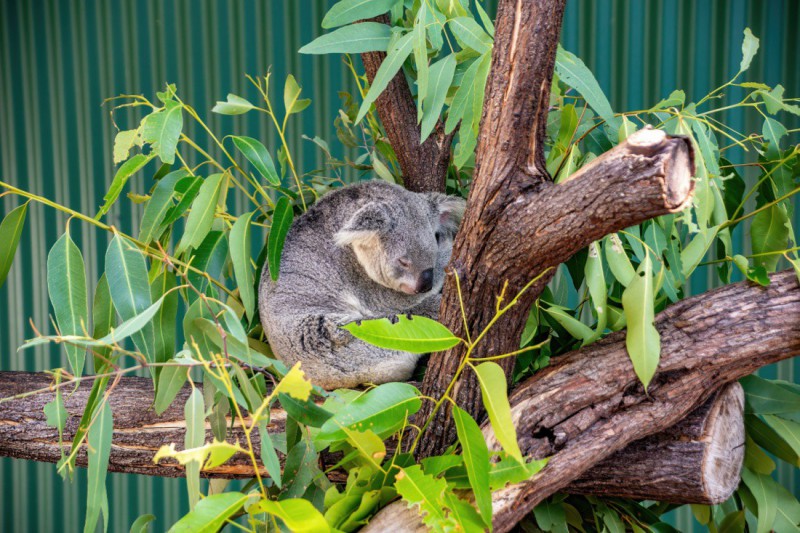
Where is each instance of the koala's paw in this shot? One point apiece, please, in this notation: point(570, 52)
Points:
point(318, 333)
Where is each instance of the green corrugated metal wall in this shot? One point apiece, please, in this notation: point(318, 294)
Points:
point(59, 60)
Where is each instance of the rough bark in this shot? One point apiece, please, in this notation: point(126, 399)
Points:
point(588, 404)
point(424, 165)
point(518, 223)
point(138, 431)
point(698, 460)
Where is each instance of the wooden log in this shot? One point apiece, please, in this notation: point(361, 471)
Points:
point(589, 404)
point(676, 455)
point(698, 460)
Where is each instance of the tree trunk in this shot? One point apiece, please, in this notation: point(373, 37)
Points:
point(424, 165)
point(588, 404)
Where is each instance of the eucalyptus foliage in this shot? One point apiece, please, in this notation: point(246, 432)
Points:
point(178, 295)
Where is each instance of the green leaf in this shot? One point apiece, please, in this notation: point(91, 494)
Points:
point(295, 384)
point(769, 233)
point(766, 436)
point(618, 261)
point(382, 410)
point(642, 339)
point(170, 382)
point(352, 39)
point(142, 524)
point(299, 515)
point(129, 327)
point(209, 258)
point(393, 62)
point(282, 217)
point(157, 206)
point(788, 430)
point(509, 470)
point(10, 232)
point(421, 56)
point(749, 49)
point(476, 459)
point(301, 468)
point(130, 291)
point(764, 493)
point(187, 188)
point(774, 101)
point(162, 130)
point(572, 71)
point(550, 516)
point(259, 157)
point(124, 141)
point(165, 319)
point(56, 417)
point(368, 444)
point(241, 257)
point(417, 334)
point(347, 11)
point(307, 413)
point(195, 437)
point(201, 217)
point(100, 434)
point(236, 105)
point(268, 456)
point(66, 284)
point(291, 93)
point(128, 169)
point(574, 327)
point(495, 398)
point(439, 80)
point(596, 283)
point(773, 131)
point(427, 493)
point(210, 514)
point(470, 34)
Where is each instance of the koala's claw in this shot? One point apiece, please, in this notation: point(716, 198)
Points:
point(394, 319)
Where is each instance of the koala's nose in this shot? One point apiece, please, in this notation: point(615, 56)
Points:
point(425, 281)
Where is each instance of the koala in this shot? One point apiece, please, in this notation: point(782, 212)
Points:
point(365, 251)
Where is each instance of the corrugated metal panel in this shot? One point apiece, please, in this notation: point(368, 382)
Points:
point(58, 60)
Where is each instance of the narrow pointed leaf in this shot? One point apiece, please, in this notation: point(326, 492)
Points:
point(495, 398)
point(476, 459)
point(235, 105)
point(170, 382)
point(439, 80)
point(201, 217)
point(100, 434)
point(66, 284)
point(158, 205)
point(210, 514)
point(352, 39)
point(282, 218)
point(642, 340)
point(128, 169)
point(195, 437)
point(347, 11)
point(389, 67)
point(162, 130)
point(469, 32)
point(259, 157)
point(10, 232)
point(241, 257)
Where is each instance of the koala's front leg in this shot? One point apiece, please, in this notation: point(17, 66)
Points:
point(429, 307)
point(322, 332)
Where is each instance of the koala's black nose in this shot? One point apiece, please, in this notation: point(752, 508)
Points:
point(425, 281)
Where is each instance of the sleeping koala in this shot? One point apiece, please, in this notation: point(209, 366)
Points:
point(365, 251)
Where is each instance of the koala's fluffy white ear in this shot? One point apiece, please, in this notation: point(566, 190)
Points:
point(366, 224)
point(450, 209)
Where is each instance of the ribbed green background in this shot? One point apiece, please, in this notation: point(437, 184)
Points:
point(60, 59)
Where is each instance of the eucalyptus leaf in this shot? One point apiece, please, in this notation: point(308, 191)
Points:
point(241, 257)
point(749, 49)
point(769, 233)
point(158, 205)
point(235, 105)
point(291, 95)
point(99, 451)
point(572, 71)
point(382, 410)
point(469, 33)
point(395, 57)
point(347, 11)
point(493, 385)
point(66, 284)
point(298, 514)
point(352, 39)
point(170, 381)
point(128, 169)
point(439, 79)
point(162, 130)
point(210, 514)
point(476, 459)
point(642, 340)
point(282, 218)
point(195, 437)
point(201, 217)
point(417, 334)
point(10, 232)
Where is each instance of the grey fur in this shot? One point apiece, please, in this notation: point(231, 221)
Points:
point(340, 265)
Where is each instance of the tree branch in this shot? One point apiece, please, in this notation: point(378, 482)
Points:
point(589, 404)
point(424, 165)
point(522, 232)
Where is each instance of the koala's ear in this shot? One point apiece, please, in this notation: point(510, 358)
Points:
point(366, 224)
point(450, 210)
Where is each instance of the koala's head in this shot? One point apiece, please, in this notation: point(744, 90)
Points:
point(404, 245)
